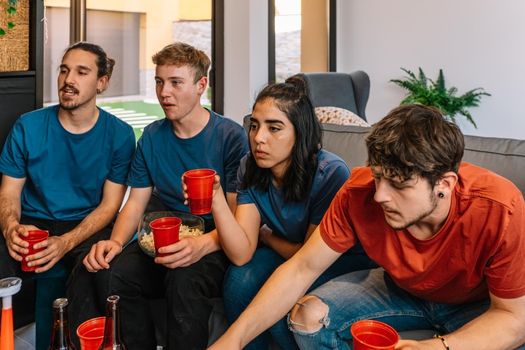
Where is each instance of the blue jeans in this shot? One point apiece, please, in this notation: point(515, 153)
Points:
point(241, 283)
point(371, 294)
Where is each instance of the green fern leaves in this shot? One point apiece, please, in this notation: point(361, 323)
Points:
point(428, 92)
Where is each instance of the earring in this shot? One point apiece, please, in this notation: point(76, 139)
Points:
point(99, 91)
point(441, 195)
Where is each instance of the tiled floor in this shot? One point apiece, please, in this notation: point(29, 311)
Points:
point(25, 337)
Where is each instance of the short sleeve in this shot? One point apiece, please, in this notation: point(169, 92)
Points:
point(336, 227)
point(139, 175)
point(236, 149)
point(504, 272)
point(13, 161)
point(243, 195)
point(122, 156)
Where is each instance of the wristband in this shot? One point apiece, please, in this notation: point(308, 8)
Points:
point(443, 340)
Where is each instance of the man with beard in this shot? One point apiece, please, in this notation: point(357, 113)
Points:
point(449, 238)
point(64, 169)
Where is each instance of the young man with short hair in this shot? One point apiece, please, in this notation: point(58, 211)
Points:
point(449, 238)
point(64, 168)
point(191, 275)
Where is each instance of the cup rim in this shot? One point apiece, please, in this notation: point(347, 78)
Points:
point(85, 324)
point(207, 173)
point(377, 324)
point(178, 222)
point(38, 235)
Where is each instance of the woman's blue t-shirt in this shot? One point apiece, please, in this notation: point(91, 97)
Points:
point(162, 157)
point(291, 219)
point(65, 172)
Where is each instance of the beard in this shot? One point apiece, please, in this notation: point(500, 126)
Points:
point(68, 106)
point(433, 202)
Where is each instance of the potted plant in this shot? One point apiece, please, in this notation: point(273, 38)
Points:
point(427, 92)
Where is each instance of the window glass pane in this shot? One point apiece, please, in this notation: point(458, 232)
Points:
point(56, 40)
point(131, 32)
point(287, 38)
point(301, 37)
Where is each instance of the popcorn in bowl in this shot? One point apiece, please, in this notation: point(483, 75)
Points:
point(192, 226)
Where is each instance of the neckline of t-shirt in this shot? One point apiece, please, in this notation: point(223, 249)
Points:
point(84, 134)
point(196, 136)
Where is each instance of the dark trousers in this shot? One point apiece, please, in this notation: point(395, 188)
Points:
point(10, 267)
point(189, 293)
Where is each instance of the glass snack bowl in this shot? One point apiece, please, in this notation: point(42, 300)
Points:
point(192, 225)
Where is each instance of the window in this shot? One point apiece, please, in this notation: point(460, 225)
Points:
point(301, 37)
point(130, 32)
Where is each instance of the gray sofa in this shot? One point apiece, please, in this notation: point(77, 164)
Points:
point(505, 157)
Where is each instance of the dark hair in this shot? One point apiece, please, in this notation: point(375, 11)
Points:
point(104, 63)
point(415, 140)
point(181, 54)
point(291, 98)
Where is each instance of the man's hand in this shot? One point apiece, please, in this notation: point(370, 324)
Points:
point(183, 253)
point(55, 247)
point(15, 244)
point(101, 254)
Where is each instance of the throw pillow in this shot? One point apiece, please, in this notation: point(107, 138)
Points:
point(340, 116)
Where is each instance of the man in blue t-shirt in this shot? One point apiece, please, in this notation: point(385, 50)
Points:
point(191, 275)
point(64, 168)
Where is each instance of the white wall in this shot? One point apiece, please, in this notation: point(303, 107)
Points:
point(476, 43)
point(245, 54)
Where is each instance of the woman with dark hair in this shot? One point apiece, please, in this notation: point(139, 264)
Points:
point(287, 182)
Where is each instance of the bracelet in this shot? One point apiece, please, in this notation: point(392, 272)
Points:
point(443, 340)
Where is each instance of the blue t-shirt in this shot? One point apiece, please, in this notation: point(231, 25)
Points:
point(65, 172)
point(162, 157)
point(291, 219)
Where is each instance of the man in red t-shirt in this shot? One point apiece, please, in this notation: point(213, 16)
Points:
point(449, 237)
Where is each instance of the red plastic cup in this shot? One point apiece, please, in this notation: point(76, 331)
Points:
point(199, 183)
point(91, 333)
point(35, 236)
point(373, 335)
point(165, 232)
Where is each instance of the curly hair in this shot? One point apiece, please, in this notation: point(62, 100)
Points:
point(415, 140)
point(291, 98)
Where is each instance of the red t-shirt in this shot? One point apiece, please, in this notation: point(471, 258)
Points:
point(480, 247)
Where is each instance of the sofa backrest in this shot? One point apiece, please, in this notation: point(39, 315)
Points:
point(505, 157)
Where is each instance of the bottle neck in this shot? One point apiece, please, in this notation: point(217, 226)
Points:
point(112, 339)
point(60, 339)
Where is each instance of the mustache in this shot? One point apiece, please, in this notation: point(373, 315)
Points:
point(70, 88)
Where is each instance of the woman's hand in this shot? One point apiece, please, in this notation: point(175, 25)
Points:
point(216, 187)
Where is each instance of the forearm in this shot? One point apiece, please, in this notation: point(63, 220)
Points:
point(275, 299)
point(211, 242)
point(10, 212)
point(91, 224)
point(232, 237)
point(495, 329)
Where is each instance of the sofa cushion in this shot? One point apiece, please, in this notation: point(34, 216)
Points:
point(339, 116)
point(505, 157)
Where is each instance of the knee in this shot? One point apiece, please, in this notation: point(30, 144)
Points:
point(309, 314)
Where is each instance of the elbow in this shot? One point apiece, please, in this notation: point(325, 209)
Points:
point(239, 259)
